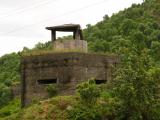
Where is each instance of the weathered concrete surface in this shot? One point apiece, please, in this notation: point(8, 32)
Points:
point(70, 45)
point(68, 69)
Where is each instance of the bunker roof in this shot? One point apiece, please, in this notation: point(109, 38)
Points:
point(65, 27)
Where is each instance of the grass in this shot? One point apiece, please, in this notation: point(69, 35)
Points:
point(44, 52)
point(51, 109)
point(11, 108)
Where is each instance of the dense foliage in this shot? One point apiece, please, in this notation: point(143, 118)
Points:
point(9, 75)
point(133, 34)
point(9, 68)
point(137, 89)
point(10, 71)
point(133, 29)
point(87, 107)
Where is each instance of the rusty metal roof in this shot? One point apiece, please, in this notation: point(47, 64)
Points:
point(65, 27)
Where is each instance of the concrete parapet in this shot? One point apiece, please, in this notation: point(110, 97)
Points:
point(70, 45)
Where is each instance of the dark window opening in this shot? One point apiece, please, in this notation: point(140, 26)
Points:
point(100, 81)
point(47, 81)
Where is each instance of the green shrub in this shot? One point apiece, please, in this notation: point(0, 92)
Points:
point(88, 92)
point(12, 107)
point(52, 90)
point(87, 108)
point(82, 112)
point(5, 94)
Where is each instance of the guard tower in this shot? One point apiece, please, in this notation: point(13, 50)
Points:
point(63, 69)
point(77, 44)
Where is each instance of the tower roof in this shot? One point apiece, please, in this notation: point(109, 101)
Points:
point(65, 27)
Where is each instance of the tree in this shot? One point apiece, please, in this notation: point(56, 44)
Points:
point(88, 92)
point(86, 109)
point(136, 88)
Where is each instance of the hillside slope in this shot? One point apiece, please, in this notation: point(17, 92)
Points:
point(137, 27)
point(52, 109)
point(134, 34)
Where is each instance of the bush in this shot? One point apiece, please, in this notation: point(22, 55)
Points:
point(82, 112)
point(5, 94)
point(88, 92)
point(52, 90)
point(11, 108)
point(87, 108)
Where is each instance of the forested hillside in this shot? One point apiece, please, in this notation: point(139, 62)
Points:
point(134, 93)
point(134, 29)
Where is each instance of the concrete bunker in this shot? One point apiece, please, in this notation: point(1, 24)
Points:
point(65, 69)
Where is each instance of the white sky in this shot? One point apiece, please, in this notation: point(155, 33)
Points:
point(23, 22)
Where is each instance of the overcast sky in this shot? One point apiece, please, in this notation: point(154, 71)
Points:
point(23, 22)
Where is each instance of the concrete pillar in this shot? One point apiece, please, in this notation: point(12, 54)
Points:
point(53, 35)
